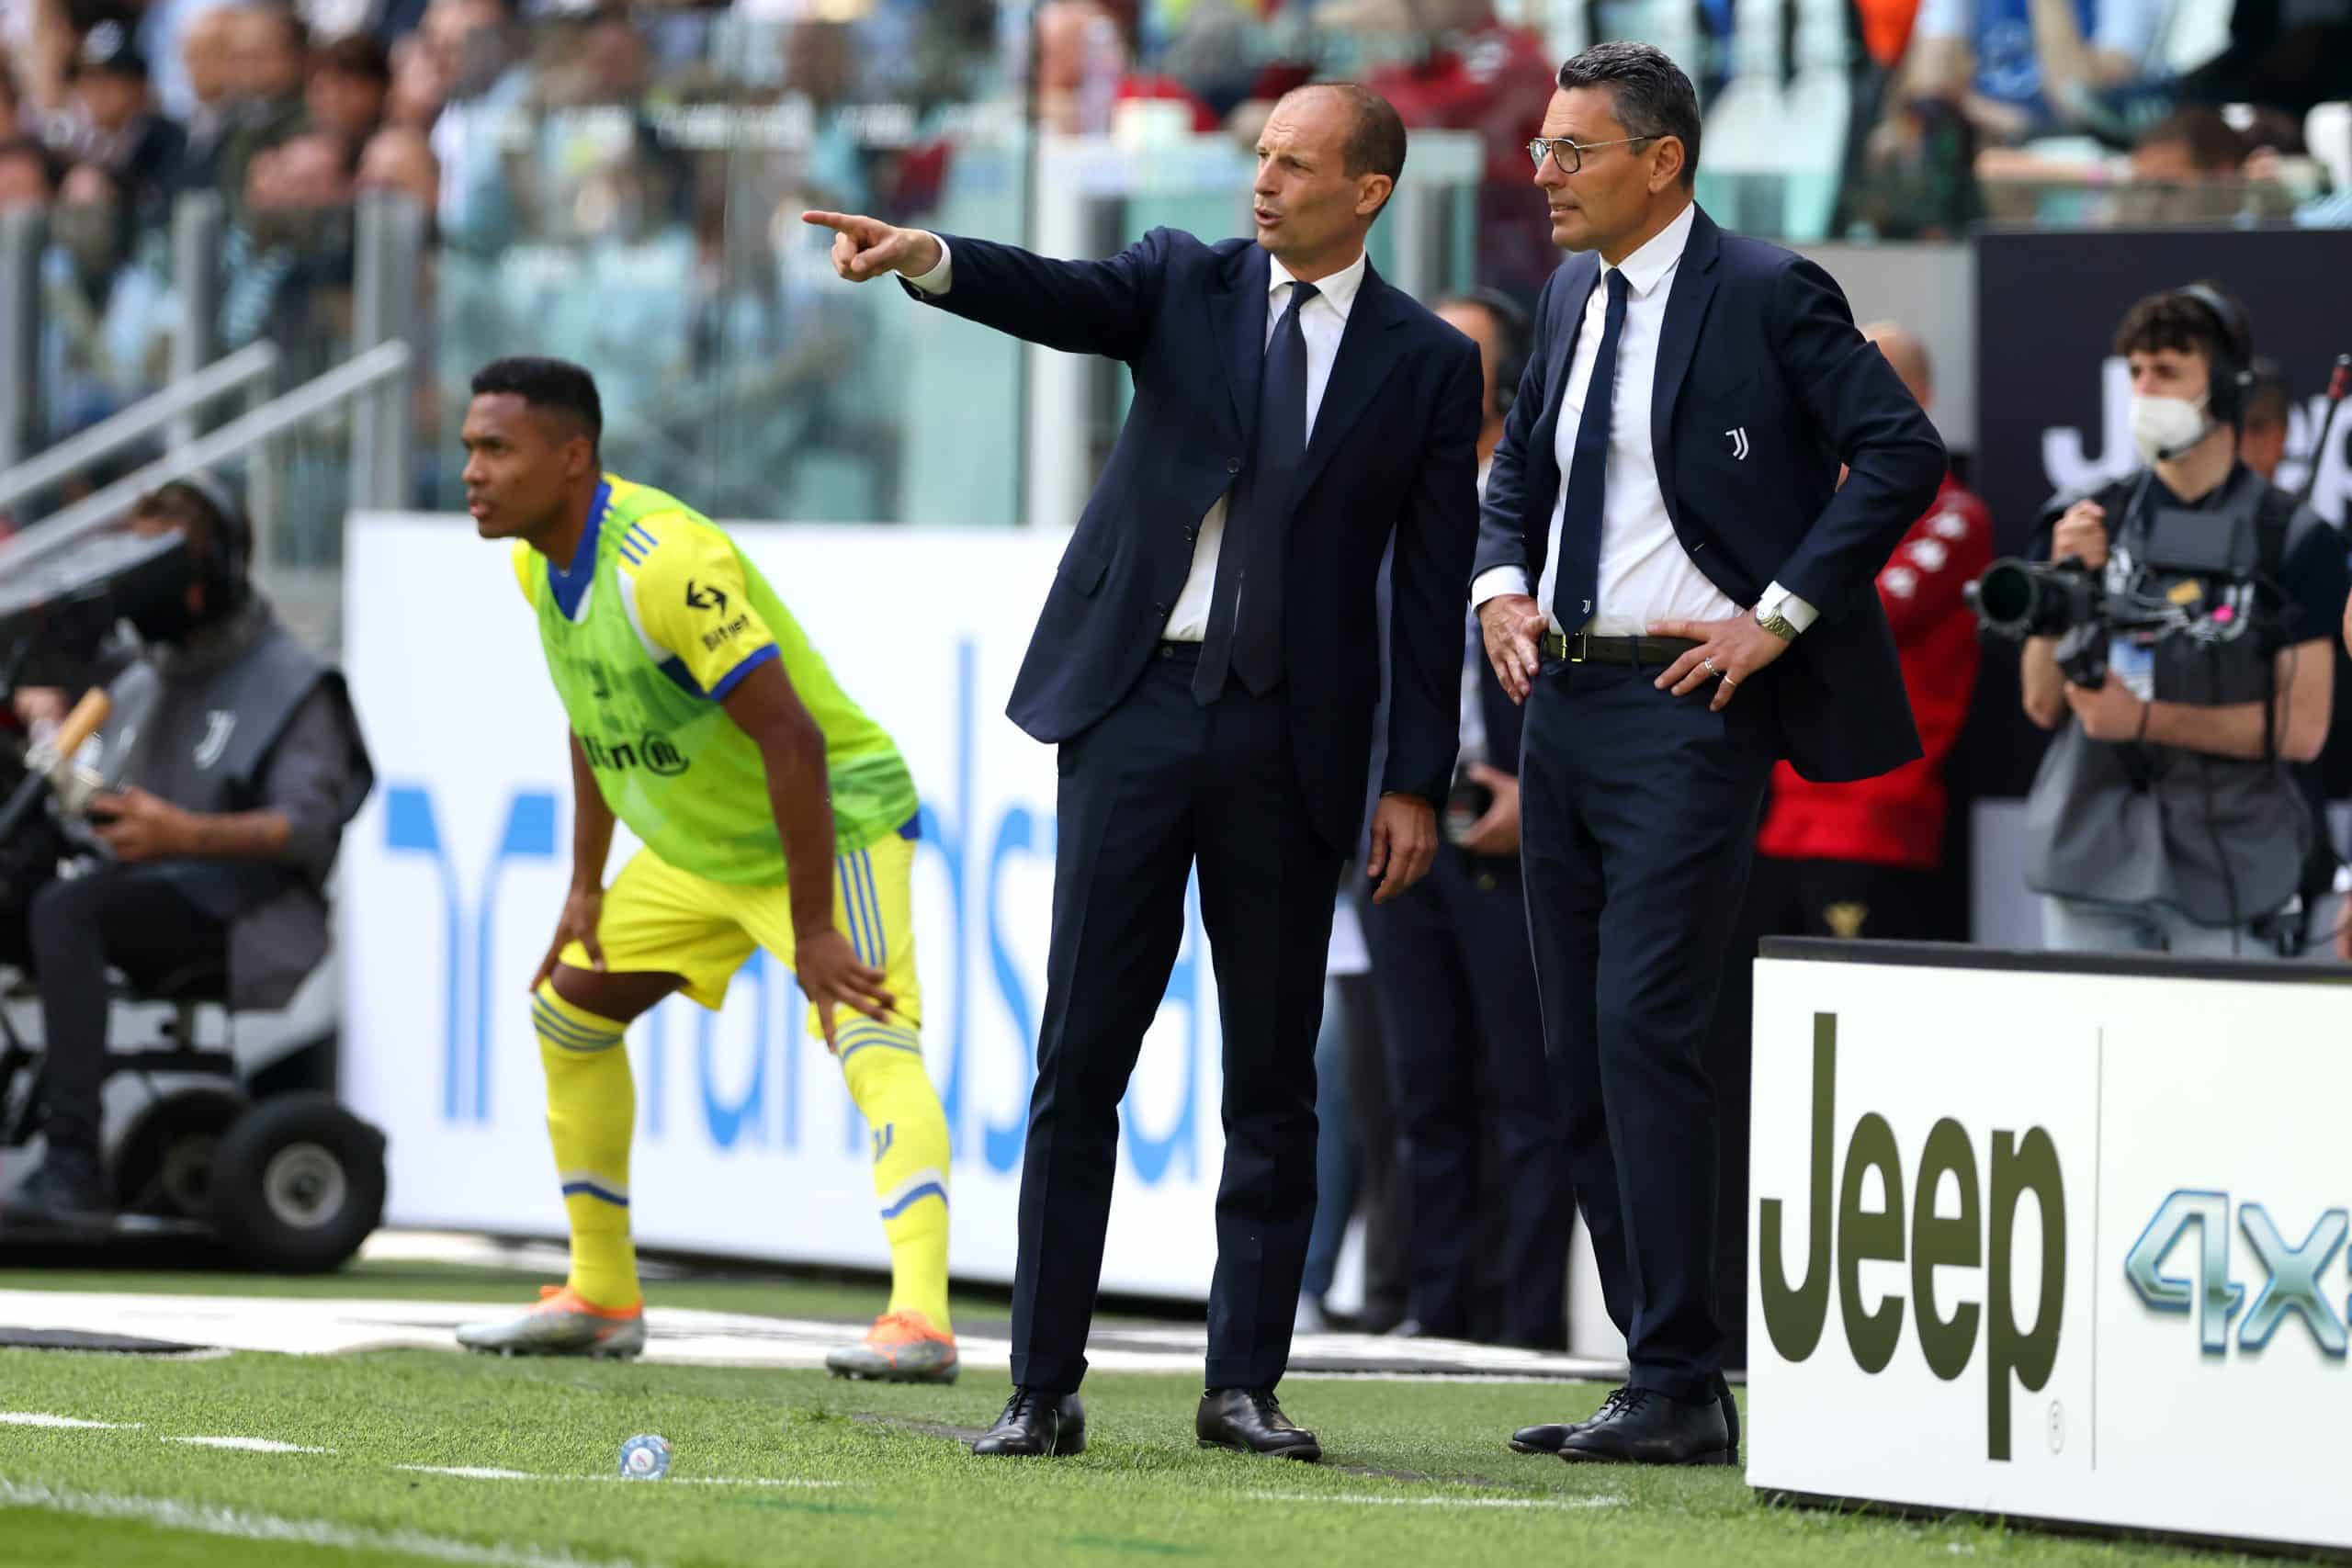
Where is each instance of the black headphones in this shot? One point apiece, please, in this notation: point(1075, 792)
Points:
point(2233, 370)
point(1517, 330)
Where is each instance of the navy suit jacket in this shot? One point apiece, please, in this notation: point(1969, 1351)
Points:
point(1393, 454)
point(1763, 387)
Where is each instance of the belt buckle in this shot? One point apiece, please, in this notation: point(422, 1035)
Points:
point(1576, 646)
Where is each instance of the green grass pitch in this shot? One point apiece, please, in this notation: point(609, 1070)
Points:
point(795, 1467)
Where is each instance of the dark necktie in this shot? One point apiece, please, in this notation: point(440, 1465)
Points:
point(1245, 630)
point(1580, 574)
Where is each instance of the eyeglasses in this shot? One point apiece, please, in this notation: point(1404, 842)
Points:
point(1570, 154)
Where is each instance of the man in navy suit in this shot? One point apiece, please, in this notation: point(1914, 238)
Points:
point(1672, 580)
point(1207, 662)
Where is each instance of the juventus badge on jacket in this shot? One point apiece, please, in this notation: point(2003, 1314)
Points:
point(217, 727)
point(1738, 441)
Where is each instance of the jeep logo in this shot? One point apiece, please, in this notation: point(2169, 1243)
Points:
point(1794, 1316)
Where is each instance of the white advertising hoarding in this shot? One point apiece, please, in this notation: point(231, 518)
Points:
point(747, 1143)
point(2063, 1246)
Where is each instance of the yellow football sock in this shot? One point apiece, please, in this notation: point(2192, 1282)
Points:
point(592, 1112)
point(884, 1065)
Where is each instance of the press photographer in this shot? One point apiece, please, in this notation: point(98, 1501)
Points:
point(227, 770)
point(2179, 645)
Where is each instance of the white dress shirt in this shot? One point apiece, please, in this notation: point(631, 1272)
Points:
point(1322, 321)
point(1645, 574)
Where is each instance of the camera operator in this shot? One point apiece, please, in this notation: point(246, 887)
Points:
point(232, 762)
point(2164, 818)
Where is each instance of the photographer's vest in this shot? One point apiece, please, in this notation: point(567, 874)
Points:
point(2221, 840)
point(197, 728)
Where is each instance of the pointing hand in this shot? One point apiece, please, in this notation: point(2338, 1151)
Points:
point(865, 248)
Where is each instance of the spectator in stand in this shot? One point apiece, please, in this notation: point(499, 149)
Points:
point(208, 58)
point(269, 54)
point(109, 118)
point(2187, 146)
point(2019, 69)
point(1475, 72)
point(1858, 859)
point(1086, 69)
point(107, 311)
point(2187, 168)
point(418, 89)
point(289, 250)
point(26, 177)
point(1471, 70)
point(350, 82)
point(398, 158)
point(476, 49)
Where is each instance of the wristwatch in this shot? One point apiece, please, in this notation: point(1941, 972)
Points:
point(1777, 623)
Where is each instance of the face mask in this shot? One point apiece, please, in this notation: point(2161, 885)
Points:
point(164, 618)
point(2165, 428)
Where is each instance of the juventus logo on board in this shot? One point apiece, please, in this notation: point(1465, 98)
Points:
point(1738, 441)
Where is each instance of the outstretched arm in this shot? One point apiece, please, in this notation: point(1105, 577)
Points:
point(1088, 307)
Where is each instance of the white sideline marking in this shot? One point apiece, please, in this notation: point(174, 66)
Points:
point(36, 1418)
point(687, 1336)
point(240, 1525)
point(1437, 1502)
point(249, 1445)
point(485, 1473)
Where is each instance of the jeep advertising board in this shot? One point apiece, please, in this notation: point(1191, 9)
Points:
point(2052, 1243)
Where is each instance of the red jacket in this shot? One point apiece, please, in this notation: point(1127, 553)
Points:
point(1898, 818)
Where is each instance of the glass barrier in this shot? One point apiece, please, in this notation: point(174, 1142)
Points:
point(657, 240)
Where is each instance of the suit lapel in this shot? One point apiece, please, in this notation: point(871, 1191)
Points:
point(1239, 318)
point(1686, 312)
point(1367, 350)
point(1542, 462)
point(1578, 286)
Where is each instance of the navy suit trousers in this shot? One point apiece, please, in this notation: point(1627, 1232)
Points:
point(1480, 1153)
point(1638, 823)
point(1158, 785)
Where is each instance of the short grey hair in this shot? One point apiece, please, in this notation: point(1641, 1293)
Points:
point(1652, 96)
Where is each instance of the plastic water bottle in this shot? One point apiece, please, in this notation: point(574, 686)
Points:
point(645, 1458)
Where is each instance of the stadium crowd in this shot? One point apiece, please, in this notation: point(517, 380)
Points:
point(623, 178)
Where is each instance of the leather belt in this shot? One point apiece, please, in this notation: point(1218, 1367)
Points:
point(1641, 652)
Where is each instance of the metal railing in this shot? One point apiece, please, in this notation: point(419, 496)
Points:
point(365, 374)
point(247, 370)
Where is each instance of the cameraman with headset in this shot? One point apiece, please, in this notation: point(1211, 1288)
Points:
point(1481, 1150)
point(2164, 818)
point(231, 760)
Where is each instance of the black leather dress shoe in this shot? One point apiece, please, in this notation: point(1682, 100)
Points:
point(1250, 1421)
point(68, 1189)
point(1731, 1419)
point(1553, 1437)
point(1036, 1424)
point(1646, 1428)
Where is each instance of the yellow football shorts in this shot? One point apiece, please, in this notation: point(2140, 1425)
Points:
point(662, 919)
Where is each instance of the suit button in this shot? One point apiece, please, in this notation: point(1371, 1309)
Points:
point(1233, 465)
point(1160, 609)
